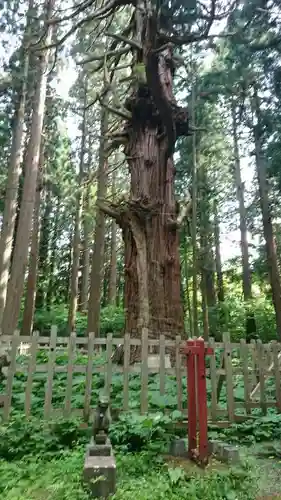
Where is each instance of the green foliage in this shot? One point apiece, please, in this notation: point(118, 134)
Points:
point(133, 432)
point(35, 479)
point(25, 438)
point(234, 311)
point(144, 477)
point(27, 448)
point(112, 321)
point(252, 431)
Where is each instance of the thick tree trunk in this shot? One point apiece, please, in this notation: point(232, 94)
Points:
point(246, 273)
point(113, 253)
point(98, 250)
point(273, 270)
point(149, 219)
point(11, 197)
point(29, 305)
point(16, 283)
point(152, 266)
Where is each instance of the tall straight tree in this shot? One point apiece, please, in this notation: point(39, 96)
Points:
point(29, 304)
point(99, 236)
point(273, 270)
point(11, 197)
point(246, 272)
point(16, 283)
point(78, 220)
point(113, 251)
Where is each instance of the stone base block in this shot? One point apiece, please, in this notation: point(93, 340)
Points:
point(224, 452)
point(178, 448)
point(99, 450)
point(100, 474)
point(231, 455)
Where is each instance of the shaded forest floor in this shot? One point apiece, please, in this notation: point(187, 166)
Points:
point(268, 468)
point(45, 461)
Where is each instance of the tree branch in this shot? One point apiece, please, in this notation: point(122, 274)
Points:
point(185, 209)
point(110, 7)
point(109, 209)
point(132, 43)
point(122, 113)
point(110, 53)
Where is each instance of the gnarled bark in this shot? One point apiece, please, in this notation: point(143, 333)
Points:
point(149, 218)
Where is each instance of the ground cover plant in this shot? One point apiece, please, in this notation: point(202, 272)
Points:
point(156, 401)
point(27, 448)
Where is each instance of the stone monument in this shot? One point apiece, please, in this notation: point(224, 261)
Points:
point(100, 467)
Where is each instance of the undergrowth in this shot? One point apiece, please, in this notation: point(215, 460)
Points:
point(156, 401)
point(44, 461)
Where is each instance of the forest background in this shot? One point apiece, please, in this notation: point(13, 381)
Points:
point(61, 255)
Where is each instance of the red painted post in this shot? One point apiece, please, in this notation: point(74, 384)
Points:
point(191, 394)
point(202, 402)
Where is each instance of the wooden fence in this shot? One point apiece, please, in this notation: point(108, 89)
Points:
point(69, 383)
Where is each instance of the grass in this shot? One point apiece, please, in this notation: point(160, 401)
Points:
point(142, 476)
point(44, 461)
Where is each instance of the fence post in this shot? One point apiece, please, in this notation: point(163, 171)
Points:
point(202, 402)
point(144, 371)
point(10, 377)
point(191, 395)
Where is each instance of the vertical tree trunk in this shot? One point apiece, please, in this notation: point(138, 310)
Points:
point(86, 255)
point(113, 253)
point(98, 249)
point(16, 283)
point(186, 276)
point(45, 234)
point(53, 250)
point(106, 269)
point(149, 218)
point(219, 271)
point(74, 289)
point(206, 256)
point(29, 305)
point(11, 197)
point(246, 273)
point(205, 315)
point(120, 287)
point(266, 216)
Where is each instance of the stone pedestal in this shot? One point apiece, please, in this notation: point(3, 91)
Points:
point(100, 469)
point(179, 448)
point(224, 452)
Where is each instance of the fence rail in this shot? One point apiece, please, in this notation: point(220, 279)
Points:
point(63, 375)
